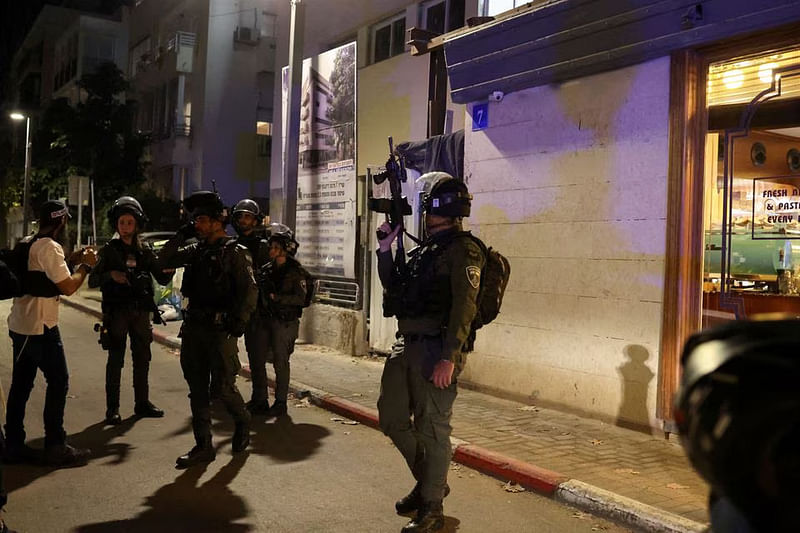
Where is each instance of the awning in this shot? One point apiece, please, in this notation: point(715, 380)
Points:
point(558, 40)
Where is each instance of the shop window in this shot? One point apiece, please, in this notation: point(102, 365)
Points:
point(751, 199)
point(388, 38)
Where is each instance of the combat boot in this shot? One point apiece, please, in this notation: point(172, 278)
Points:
point(413, 500)
point(258, 407)
point(241, 437)
point(430, 517)
point(113, 418)
point(147, 410)
point(197, 455)
point(278, 409)
point(65, 456)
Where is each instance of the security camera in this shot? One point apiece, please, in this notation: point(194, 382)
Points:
point(496, 96)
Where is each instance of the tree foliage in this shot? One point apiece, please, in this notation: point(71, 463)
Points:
point(95, 138)
point(342, 109)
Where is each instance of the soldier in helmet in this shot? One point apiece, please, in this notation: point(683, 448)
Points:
point(125, 275)
point(219, 284)
point(247, 223)
point(434, 299)
point(284, 291)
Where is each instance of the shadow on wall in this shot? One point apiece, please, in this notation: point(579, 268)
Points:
point(635, 380)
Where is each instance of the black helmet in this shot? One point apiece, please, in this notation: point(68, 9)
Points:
point(246, 206)
point(738, 413)
point(448, 197)
point(284, 236)
point(129, 205)
point(206, 203)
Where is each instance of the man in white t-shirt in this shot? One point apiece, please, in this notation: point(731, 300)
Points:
point(33, 328)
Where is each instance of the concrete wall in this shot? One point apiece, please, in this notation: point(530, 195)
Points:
point(570, 183)
point(340, 329)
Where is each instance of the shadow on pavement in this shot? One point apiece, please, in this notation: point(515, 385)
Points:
point(186, 505)
point(285, 441)
point(97, 438)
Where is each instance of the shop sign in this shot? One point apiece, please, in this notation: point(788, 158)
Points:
point(776, 208)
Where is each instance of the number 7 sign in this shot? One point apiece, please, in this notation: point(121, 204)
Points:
point(480, 116)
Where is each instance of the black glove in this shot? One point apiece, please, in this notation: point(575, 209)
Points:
point(235, 328)
point(187, 230)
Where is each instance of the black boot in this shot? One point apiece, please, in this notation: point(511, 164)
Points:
point(278, 409)
point(147, 410)
point(113, 418)
point(258, 407)
point(430, 517)
point(413, 500)
point(241, 437)
point(197, 455)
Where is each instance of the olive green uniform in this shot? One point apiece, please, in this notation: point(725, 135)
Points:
point(222, 295)
point(435, 307)
point(127, 310)
point(288, 284)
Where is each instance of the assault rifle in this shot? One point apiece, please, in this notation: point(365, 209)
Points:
point(395, 207)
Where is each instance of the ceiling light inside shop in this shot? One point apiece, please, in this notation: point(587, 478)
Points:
point(733, 79)
point(739, 80)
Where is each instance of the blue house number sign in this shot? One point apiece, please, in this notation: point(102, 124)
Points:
point(480, 116)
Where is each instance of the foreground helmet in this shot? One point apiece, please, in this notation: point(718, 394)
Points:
point(284, 236)
point(206, 203)
point(738, 412)
point(445, 196)
point(126, 205)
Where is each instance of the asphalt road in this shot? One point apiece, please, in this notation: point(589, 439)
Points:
point(304, 473)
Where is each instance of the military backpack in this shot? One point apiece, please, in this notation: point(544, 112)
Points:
point(494, 280)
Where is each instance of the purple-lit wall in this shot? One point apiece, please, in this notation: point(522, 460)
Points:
point(570, 183)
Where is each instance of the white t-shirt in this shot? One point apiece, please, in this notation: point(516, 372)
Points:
point(30, 314)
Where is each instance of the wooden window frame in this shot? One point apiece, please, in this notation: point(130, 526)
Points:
point(683, 269)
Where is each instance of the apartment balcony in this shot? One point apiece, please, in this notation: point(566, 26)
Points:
point(172, 145)
point(166, 61)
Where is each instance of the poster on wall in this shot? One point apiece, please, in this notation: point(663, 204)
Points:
point(326, 174)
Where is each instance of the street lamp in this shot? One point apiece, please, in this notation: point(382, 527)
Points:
point(19, 116)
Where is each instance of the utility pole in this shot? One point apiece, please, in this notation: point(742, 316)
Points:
point(291, 156)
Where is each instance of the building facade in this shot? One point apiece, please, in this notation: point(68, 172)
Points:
point(204, 73)
point(613, 171)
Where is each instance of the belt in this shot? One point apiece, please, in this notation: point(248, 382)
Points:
point(203, 315)
point(418, 337)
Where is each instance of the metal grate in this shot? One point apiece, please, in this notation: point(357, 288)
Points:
point(336, 292)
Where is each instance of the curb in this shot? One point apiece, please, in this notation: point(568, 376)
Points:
point(540, 480)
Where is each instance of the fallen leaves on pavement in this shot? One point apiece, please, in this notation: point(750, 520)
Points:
point(627, 471)
point(303, 403)
point(581, 515)
point(528, 408)
point(513, 487)
point(341, 420)
point(596, 442)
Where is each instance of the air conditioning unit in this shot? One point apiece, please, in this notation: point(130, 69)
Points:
point(246, 35)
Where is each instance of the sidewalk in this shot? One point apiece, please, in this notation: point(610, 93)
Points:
point(637, 479)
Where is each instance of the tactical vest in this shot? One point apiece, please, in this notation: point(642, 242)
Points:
point(131, 260)
point(207, 280)
point(34, 283)
point(424, 291)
